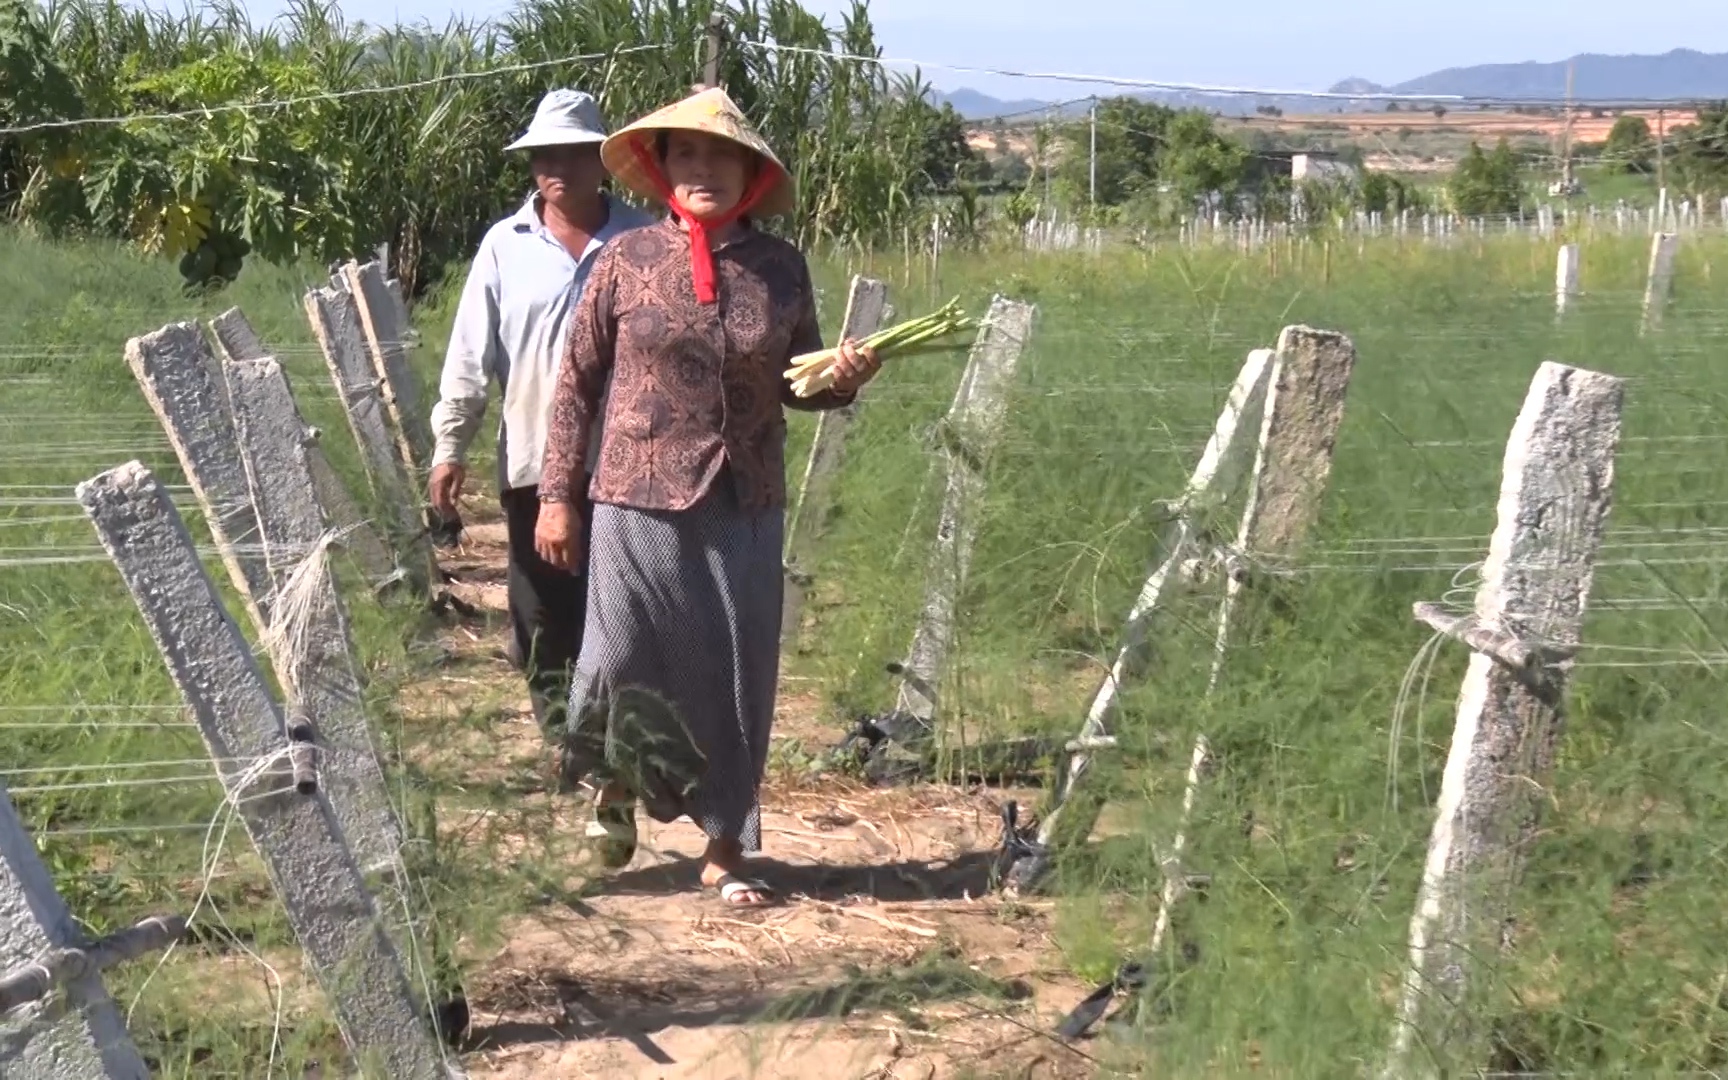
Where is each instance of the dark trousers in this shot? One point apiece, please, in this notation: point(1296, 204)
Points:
point(548, 607)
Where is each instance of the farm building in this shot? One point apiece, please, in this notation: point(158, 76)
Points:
point(1318, 165)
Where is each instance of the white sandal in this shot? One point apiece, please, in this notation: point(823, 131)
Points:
point(731, 885)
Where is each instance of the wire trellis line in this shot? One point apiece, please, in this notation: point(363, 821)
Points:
point(332, 95)
point(124, 830)
point(102, 725)
point(104, 785)
point(116, 766)
point(77, 706)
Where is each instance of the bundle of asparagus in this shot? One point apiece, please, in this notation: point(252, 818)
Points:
point(814, 372)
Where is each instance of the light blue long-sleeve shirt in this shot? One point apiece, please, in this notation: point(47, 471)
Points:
point(511, 325)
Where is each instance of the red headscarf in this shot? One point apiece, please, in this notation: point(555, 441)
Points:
point(701, 253)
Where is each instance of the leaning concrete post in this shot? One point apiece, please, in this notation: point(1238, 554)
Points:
point(236, 337)
point(1555, 494)
point(269, 777)
point(968, 435)
point(336, 324)
point(309, 640)
point(58, 1019)
point(864, 313)
point(383, 320)
point(1215, 479)
point(335, 321)
point(1298, 436)
point(178, 374)
point(238, 341)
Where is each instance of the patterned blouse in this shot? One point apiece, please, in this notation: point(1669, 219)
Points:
point(694, 387)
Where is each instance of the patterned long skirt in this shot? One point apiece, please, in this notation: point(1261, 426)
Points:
point(674, 689)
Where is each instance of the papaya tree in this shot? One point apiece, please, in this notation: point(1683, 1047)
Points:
point(35, 93)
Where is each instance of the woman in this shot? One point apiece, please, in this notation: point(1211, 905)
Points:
point(694, 319)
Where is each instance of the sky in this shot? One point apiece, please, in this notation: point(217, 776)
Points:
point(1270, 43)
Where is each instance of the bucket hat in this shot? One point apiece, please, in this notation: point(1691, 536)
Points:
point(563, 118)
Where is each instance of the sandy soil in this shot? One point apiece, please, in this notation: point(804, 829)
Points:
point(890, 960)
point(1585, 127)
point(1376, 127)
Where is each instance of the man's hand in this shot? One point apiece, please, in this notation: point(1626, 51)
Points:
point(855, 366)
point(446, 488)
point(558, 536)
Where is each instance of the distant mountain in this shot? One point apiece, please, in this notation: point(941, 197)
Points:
point(975, 106)
point(1357, 86)
point(1683, 73)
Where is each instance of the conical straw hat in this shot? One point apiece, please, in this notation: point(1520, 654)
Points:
point(711, 111)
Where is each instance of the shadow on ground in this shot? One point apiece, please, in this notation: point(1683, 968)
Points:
point(967, 875)
point(635, 1010)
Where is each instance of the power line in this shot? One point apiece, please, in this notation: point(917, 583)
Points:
point(1220, 90)
point(332, 95)
point(1093, 80)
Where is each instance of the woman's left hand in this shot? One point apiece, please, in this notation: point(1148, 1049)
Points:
point(856, 365)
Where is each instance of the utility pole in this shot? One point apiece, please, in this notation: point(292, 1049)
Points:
point(1566, 180)
point(1049, 127)
point(711, 63)
point(1661, 155)
point(1092, 166)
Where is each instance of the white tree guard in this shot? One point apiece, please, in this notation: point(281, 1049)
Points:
point(1566, 278)
point(1659, 283)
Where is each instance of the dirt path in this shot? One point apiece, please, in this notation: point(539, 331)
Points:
point(891, 959)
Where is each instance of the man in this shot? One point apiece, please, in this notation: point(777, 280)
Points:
point(511, 325)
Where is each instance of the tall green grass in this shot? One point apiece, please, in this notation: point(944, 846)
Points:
point(1315, 864)
point(1296, 951)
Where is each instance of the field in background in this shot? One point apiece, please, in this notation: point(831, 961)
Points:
point(1482, 125)
point(1313, 832)
point(1415, 144)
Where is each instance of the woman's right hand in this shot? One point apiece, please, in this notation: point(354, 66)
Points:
point(558, 535)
